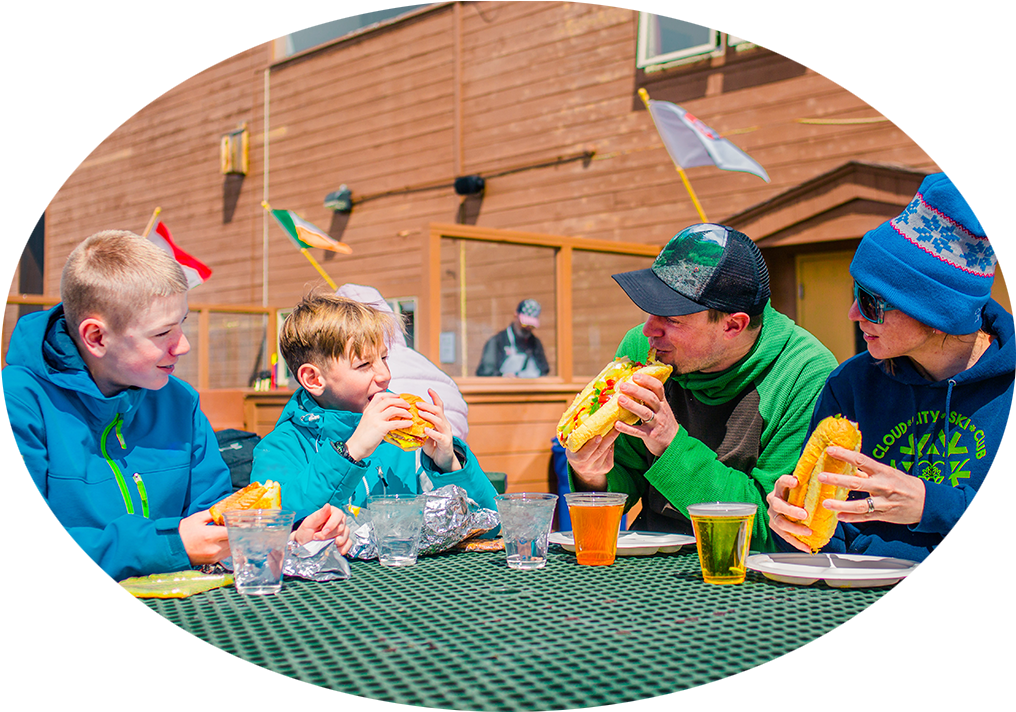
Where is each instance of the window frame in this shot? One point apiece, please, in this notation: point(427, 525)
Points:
point(642, 60)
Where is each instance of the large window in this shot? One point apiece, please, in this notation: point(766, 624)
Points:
point(476, 277)
point(319, 34)
point(665, 39)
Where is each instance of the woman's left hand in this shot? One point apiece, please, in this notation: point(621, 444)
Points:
point(438, 446)
point(895, 496)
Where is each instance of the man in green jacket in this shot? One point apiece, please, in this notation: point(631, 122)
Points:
point(734, 414)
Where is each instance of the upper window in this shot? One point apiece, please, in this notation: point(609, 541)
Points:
point(664, 39)
point(319, 34)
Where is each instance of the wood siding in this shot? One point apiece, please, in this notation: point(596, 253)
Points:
point(509, 90)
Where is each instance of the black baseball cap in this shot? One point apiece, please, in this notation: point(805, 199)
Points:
point(705, 266)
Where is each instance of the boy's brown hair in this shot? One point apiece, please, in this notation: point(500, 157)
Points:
point(115, 275)
point(326, 326)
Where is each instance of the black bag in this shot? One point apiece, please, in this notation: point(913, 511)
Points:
point(237, 449)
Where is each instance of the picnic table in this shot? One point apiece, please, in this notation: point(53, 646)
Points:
point(460, 630)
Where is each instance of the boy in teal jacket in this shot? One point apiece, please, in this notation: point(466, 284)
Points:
point(117, 446)
point(328, 446)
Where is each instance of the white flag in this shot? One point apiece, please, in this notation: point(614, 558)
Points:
point(691, 143)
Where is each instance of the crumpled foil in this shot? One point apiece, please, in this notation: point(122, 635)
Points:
point(314, 561)
point(450, 517)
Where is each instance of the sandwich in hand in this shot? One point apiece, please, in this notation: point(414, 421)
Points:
point(595, 409)
point(413, 437)
point(253, 496)
point(809, 493)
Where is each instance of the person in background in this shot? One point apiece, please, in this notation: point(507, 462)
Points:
point(516, 352)
point(733, 415)
point(412, 372)
point(932, 393)
point(117, 445)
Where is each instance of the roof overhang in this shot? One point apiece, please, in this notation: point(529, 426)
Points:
point(842, 204)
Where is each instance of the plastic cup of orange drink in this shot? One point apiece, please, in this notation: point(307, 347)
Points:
point(596, 523)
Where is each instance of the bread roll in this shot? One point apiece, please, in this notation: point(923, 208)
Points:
point(253, 496)
point(413, 437)
point(810, 492)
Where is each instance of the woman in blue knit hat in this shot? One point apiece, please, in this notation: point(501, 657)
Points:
point(932, 393)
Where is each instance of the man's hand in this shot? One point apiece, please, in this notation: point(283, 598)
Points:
point(594, 460)
point(644, 396)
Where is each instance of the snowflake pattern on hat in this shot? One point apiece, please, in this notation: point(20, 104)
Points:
point(933, 232)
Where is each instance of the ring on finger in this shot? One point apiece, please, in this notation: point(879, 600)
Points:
point(871, 505)
point(647, 421)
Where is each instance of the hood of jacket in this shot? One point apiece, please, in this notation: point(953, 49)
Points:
point(305, 413)
point(720, 387)
point(45, 348)
point(997, 360)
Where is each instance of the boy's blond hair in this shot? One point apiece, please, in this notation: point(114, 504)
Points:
point(326, 326)
point(115, 275)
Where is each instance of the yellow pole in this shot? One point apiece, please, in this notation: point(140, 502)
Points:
point(303, 250)
point(151, 222)
point(644, 95)
point(318, 268)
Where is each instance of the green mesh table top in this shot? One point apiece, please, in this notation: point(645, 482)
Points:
point(462, 631)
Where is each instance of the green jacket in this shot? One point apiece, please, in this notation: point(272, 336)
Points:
point(772, 391)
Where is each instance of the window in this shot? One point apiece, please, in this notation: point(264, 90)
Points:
point(664, 39)
point(319, 34)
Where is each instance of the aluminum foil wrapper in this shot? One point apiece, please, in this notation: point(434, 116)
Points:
point(314, 561)
point(449, 518)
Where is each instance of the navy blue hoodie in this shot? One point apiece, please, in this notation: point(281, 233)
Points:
point(946, 433)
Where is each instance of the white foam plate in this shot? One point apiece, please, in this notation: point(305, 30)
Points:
point(632, 543)
point(837, 570)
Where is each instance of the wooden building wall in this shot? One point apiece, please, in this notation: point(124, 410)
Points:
point(513, 91)
point(456, 89)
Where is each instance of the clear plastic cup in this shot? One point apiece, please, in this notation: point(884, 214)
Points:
point(526, 518)
point(257, 546)
point(596, 523)
point(396, 525)
point(722, 535)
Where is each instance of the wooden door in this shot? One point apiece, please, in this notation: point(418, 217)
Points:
point(824, 296)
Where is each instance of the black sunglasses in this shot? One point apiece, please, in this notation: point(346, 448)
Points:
point(871, 306)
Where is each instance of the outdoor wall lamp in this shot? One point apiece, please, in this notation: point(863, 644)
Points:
point(469, 185)
point(340, 201)
point(234, 152)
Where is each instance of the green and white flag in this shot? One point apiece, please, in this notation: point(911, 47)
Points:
point(307, 235)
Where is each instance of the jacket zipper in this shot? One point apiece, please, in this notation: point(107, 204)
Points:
point(116, 423)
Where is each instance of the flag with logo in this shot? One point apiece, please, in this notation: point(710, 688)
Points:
point(197, 272)
point(691, 143)
point(306, 235)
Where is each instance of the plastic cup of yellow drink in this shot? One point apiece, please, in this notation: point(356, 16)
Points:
point(722, 535)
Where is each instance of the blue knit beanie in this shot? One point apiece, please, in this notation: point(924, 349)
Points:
point(933, 262)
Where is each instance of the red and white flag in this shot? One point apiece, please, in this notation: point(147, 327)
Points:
point(691, 143)
point(197, 271)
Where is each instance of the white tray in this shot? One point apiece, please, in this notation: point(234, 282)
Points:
point(632, 543)
point(837, 570)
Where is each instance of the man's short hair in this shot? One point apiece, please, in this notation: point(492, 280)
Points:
point(326, 326)
point(115, 275)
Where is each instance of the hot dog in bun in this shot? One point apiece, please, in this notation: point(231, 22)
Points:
point(809, 493)
point(595, 409)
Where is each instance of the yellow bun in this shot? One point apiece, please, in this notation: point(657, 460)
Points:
point(412, 437)
point(253, 496)
point(577, 426)
point(810, 492)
